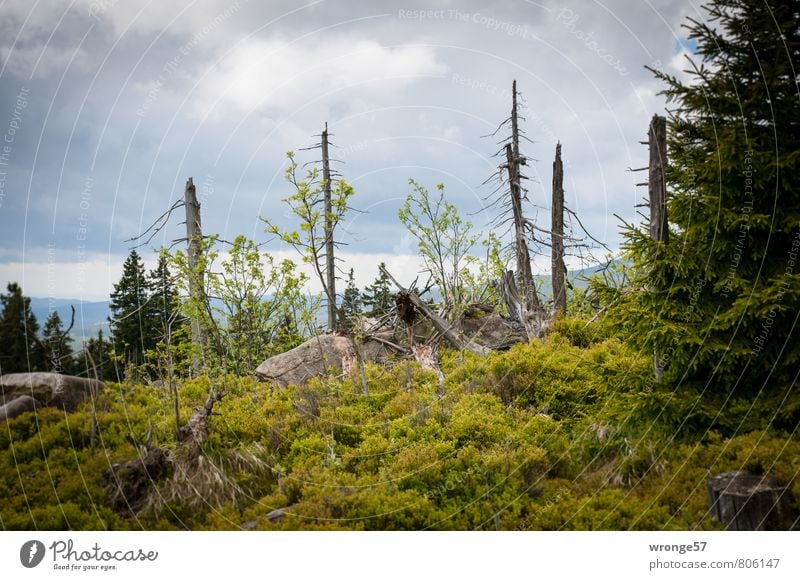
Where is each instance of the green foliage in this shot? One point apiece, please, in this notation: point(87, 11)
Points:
point(352, 304)
point(58, 345)
point(262, 304)
point(132, 324)
point(546, 436)
point(482, 277)
point(378, 297)
point(18, 328)
point(444, 240)
point(307, 205)
point(257, 306)
point(719, 301)
point(97, 358)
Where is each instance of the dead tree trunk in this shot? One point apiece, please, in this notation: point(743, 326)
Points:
point(514, 162)
point(657, 194)
point(558, 270)
point(521, 295)
point(330, 264)
point(657, 184)
point(524, 274)
point(194, 237)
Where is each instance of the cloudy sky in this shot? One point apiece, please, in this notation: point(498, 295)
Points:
point(108, 106)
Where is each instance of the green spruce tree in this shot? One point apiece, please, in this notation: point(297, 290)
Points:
point(164, 304)
point(100, 353)
point(377, 296)
point(19, 349)
point(58, 344)
point(132, 321)
point(719, 302)
point(351, 307)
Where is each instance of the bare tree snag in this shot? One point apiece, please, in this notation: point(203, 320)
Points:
point(440, 324)
point(657, 184)
point(194, 237)
point(657, 193)
point(330, 264)
point(515, 122)
point(558, 269)
point(524, 274)
point(533, 320)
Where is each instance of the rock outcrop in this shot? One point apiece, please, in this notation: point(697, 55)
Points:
point(17, 406)
point(319, 354)
point(25, 391)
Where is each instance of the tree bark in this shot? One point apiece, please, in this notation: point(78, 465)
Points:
point(330, 264)
point(194, 236)
point(657, 184)
point(657, 193)
point(558, 270)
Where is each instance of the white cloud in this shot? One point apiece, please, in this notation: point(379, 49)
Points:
point(260, 73)
point(90, 279)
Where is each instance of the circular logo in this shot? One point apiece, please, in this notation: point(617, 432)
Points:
point(31, 553)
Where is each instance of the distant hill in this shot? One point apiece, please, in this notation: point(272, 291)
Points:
point(89, 316)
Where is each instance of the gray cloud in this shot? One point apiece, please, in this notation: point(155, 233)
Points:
point(128, 99)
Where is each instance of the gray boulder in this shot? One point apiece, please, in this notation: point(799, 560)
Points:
point(319, 354)
point(17, 406)
point(310, 359)
point(48, 389)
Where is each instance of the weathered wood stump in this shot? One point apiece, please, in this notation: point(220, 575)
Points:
point(744, 501)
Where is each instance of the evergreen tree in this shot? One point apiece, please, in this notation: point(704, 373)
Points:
point(378, 296)
point(132, 322)
point(163, 305)
point(719, 302)
point(58, 344)
point(100, 350)
point(351, 305)
point(19, 350)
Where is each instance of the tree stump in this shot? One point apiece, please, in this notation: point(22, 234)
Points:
point(742, 501)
